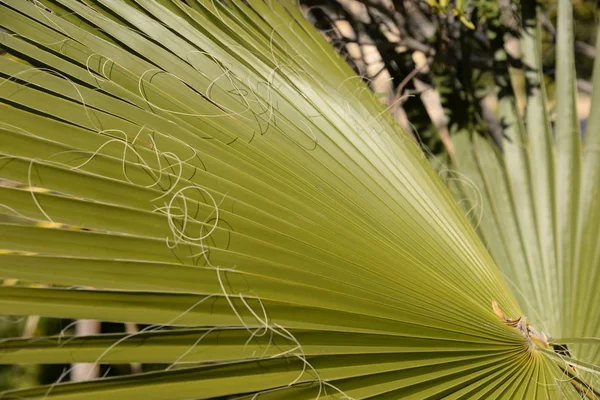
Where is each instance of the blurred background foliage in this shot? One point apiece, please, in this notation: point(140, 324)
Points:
point(434, 63)
point(20, 376)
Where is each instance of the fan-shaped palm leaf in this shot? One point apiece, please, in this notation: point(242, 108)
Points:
point(539, 211)
point(214, 170)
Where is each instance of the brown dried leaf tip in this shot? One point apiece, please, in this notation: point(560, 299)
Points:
point(536, 337)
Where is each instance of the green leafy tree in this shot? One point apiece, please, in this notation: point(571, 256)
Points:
point(214, 172)
point(433, 61)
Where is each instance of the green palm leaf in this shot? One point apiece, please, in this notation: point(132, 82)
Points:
point(538, 200)
point(217, 172)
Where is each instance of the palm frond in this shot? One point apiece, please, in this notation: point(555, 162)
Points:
point(539, 197)
point(217, 172)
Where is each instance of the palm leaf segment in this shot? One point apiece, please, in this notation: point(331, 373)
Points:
point(536, 204)
point(216, 172)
